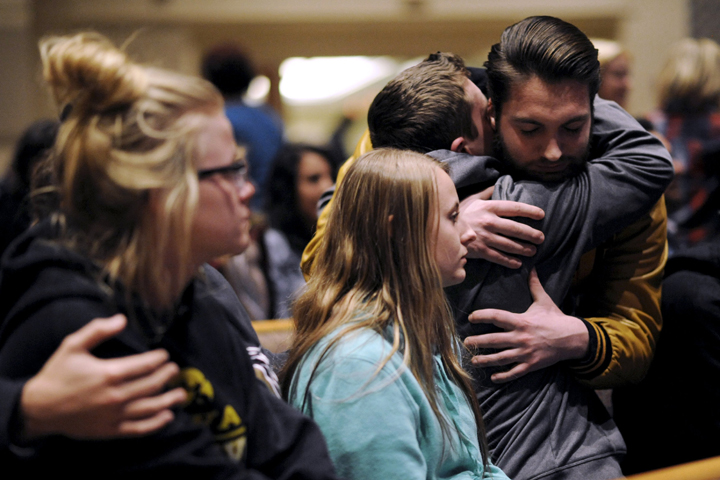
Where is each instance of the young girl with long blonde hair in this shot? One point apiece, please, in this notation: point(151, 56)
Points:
point(375, 359)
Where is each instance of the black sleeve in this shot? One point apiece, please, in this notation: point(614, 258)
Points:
point(284, 443)
point(10, 391)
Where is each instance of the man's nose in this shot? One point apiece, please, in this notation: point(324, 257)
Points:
point(552, 150)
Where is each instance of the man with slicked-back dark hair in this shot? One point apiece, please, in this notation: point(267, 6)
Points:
point(543, 77)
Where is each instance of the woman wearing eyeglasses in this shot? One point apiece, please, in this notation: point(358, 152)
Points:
point(149, 186)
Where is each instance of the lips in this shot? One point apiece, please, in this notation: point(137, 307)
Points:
point(552, 167)
point(463, 259)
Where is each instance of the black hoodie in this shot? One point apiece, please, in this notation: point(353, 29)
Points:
point(233, 425)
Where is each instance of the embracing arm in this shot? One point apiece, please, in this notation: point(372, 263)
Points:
point(628, 172)
point(81, 396)
point(180, 445)
point(498, 238)
point(78, 395)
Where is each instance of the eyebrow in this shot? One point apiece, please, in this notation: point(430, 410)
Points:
point(532, 121)
point(577, 118)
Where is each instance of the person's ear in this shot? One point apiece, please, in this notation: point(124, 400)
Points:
point(490, 112)
point(458, 145)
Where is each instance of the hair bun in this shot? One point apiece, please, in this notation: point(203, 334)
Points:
point(89, 72)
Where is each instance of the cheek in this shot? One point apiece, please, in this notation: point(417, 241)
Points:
point(448, 242)
point(219, 213)
point(308, 196)
point(522, 149)
point(579, 145)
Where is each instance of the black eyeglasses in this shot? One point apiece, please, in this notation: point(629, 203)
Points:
point(236, 172)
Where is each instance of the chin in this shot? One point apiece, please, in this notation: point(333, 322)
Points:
point(454, 280)
point(242, 247)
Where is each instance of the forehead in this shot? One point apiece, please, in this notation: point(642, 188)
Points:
point(215, 142)
point(621, 62)
point(447, 195)
point(541, 101)
point(312, 160)
point(474, 95)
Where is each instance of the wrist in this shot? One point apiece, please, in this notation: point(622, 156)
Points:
point(577, 342)
point(581, 352)
point(29, 422)
point(598, 355)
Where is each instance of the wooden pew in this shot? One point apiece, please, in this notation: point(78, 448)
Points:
point(708, 469)
point(275, 335)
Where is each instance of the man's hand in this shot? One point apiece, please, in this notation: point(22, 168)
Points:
point(538, 338)
point(79, 395)
point(499, 238)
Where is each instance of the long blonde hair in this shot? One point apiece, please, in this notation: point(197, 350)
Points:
point(689, 82)
point(376, 258)
point(128, 132)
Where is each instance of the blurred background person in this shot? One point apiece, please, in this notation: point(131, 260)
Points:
point(306, 171)
point(615, 63)
point(258, 128)
point(15, 214)
point(688, 99)
point(268, 276)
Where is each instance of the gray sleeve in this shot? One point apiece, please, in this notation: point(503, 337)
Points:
point(467, 171)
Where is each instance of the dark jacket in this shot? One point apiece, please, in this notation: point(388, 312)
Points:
point(672, 416)
point(233, 426)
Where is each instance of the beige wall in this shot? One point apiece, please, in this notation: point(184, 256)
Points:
point(173, 33)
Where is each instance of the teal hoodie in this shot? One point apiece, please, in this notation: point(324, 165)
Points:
point(381, 425)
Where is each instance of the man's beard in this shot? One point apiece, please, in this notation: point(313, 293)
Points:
point(574, 164)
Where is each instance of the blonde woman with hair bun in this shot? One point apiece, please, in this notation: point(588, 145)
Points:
point(688, 116)
point(148, 186)
point(689, 82)
point(375, 358)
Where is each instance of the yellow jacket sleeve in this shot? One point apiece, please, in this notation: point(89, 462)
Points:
point(620, 286)
point(308, 256)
